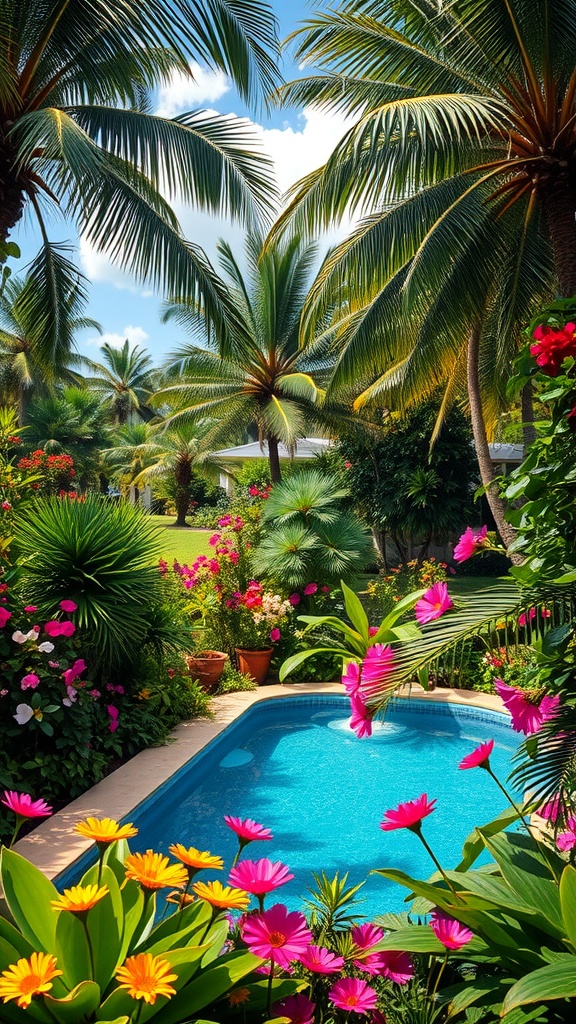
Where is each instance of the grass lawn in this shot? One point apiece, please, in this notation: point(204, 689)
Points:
point(182, 545)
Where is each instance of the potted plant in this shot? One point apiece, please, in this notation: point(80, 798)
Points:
point(207, 667)
point(258, 615)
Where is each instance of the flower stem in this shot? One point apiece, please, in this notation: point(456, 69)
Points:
point(431, 853)
point(89, 941)
point(439, 975)
point(17, 827)
point(269, 995)
point(508, 797)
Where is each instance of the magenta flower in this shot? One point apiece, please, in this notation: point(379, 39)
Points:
point(351, 678)
point(298, 1009)
point(376, 667)
point(353, 994)
point(30, 609)
point(294, 599)
point(567, 840)
point(4, 616)
point(321, 961)
point(396, 965)
point(361, 719)
point(372, 630)
point(479, 758)
point(24, 806)
point(365, 936)
point(68, 606)
point(246, 829)
point(523, 619)
point(469, 543)
point(448, 931)
point(29, 682)
point(277, 935)
point(259, 876)
point(214, 540)
point(74, 671)
point(275, 634)
point(433, 604)
point(526, 716)
point(310, 588)
point(113, 713)
point(408, 815)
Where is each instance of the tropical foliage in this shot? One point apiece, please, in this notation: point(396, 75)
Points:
point(123, 381)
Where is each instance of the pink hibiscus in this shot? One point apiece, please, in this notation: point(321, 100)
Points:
point(114, 715)
point(321, 961)
point(74, 671)
point(408, 815)
point(396, 965)
point(277, 934)
point(294, 599)
point(259, 876)
point(310, 588)
point(353, 994)
point(479, 758)
point(567, 840)
point(526, 716)
point(470, 543)
point(275, 635)
point(298, 1009)
point(433, 604)
point(451, 933)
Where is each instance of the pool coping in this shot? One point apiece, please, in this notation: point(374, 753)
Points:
point(53, 846)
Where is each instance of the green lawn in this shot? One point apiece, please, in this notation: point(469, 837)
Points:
point(182, 545)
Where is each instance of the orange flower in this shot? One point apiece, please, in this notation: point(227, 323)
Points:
point(154, 871)
point(105, 830)
point(239, 996)
point(145, 976)
point(80, 898)
point(28, 978)
point(196, 859)
point(219, 895)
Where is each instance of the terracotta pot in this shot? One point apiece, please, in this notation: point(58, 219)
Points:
point(255, 663)
point(207, 667)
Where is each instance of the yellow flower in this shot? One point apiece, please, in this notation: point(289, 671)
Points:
point(222, 895)
point(154, 871)
point(239, 996)
point(28, 978)
point(145, 976)
point(196, 859)
point(80, 898)
point(105, 830)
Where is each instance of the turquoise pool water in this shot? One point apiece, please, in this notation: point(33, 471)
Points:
point(295, 766)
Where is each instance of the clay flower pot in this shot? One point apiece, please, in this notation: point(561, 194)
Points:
point(207, 667)
point(255, 663)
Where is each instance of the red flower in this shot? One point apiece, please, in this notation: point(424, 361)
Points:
point(552, 346)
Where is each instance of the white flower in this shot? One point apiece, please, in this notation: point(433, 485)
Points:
point(71, 698)
point(20, 638)
point(46, 647)
point(23, 712)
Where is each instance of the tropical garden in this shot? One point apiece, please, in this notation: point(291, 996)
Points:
point(411, 303)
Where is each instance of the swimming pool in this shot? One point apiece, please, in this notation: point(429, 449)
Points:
point(295, 766)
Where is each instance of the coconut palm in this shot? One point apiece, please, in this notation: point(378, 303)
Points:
point(71, 420)
point(76, 132)
point(251, 369)
point(462, 162)
point(29, 362)
point(123, 380)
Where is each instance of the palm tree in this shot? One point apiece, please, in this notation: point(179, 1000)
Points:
point(71, 420)
point(462, 161)
point(123, 380)
point(29, 363)
point(76, 132)
point(252, 370)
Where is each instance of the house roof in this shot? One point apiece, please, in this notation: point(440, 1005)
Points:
point(500, 452)
point(305, 448)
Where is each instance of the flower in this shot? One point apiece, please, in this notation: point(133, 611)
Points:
point(275, 634)
point(239, 996)
point(567, 840)
point(68, 606)
point(298, 1009)
point(351, 678)
point(24, 713)
point(21, 638)
point(80, 898)
point(104, 830)
point(479, 757)
point(321, 961)
point(114, 714)
point(247, 830)
point(353, 994)
point(24, 806)
point(57, 628)
point(219, 895)
point(365, 937)
point(294, 599)
point(433, 604)
point(310, 588)
point(396, 965)
point(377, 665)
point(277, 935)
point(195, 859)
point(448, 931)
point(526, 716)
point(523, 619)
point(259, 876)
point(145, 976)
point(30, 609)
point(30, 681)
point(154, 871)
point(408, 815)
point(372, 630)
point(74, 671)
point(470, 543)
point(4, 616)
point(46, 647)
point(28, 978)
point(552, 346)
point(361, 718)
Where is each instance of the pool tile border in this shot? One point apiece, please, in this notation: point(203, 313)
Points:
point(54, 846)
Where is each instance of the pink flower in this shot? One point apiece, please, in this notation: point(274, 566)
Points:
point(376, 667)
point(325, 589)
point(365, 936)
point(225, 520)
point(567, 840)
point(408, 815)
point(68, 606)
point(294, 599)
point(24, 806)
point(254, 491)
point(526, 716)
point(448, 931)
point(310, 588)
point(74, 671)
point(469, 543)
point(479, 758)
point(353, 994)
point(298, 1009)
point(4, 616)
point(30, 609)
point(277, 935)
point(95, 694)
point(321, 961)
point(372, 630)
point(114, 713)
point(522, 619)
point(67, 628)
point(275, 634)
point(29, 682)
point(396, 965)
point(361, 719)
point(53, 628)
point(351, 678)
point(6, 506)
point(246, 829)
point(214, 540)
point(259, 876)
point(433, 604)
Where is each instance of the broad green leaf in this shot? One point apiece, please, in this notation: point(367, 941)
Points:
point(296, 660)
point(474, 843)
point(28, 894)
point(71, 949)
point(208, 986)
point(417, 938)
point(406, 604)
point(195, 916)
point(470, 992)
point(105, 923)
point(78, 1006)
point(568, 901)
point(355, 612)
point(555, 981)
point(14, 938)
point(354, 637)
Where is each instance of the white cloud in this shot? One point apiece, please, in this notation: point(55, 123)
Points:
point(186, 92)
point(298, 151)
point(135, 335)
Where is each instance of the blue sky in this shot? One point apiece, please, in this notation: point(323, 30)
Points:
point(297, 140)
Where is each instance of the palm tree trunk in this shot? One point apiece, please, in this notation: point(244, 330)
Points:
point(485, 464)
point(528, 428)
point(183, 473)
point(274, 460)
point(560, 209)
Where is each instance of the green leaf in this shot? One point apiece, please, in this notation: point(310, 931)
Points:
point(295, 660)
point(474, 843)
point(555, 981)
point(355, 612)
point(71, 949)
point(208, 986)
point(78, 1006)
point(568, 901)
point(28, 893)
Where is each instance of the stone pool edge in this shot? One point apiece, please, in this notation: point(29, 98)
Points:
point(53, 846)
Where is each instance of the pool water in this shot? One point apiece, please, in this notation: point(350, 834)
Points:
point(295, 766)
